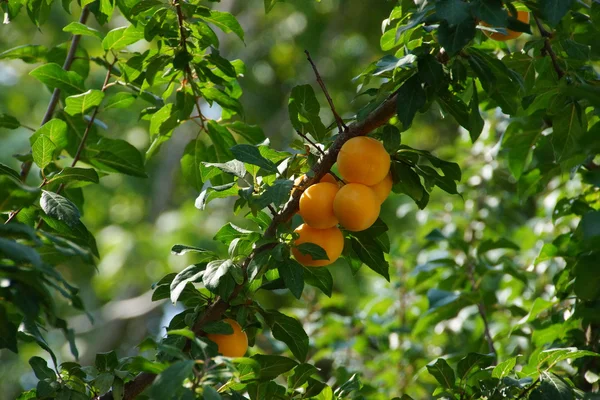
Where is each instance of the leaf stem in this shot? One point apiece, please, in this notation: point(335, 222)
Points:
point(305, 137)
point(547, 35)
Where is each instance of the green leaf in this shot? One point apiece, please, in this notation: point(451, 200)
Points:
point(502, 243)
point(120, 100)
point(552, 387)
point(320, 278)
point(272, 366)
point(219, 327)
point(193, 273)
point(304, 108)
point(587, 277)
point(43, 151)
point(278, 193)
point(14, 194)
point(442, 373)
point(568, 129)
point(269, 4)
point(519, 139)
point(490, 11)
point(554, 10)
point(300, 375)
point(411, 97)
point(551, 357)
point(191, 161)
point(453, 11)
point(454, 37)
point(209, 393)
point(431, 71)
point(476, 122)
point(407, 181)
point(55, 130)
point(170, 380)
point(314, 250)
point(233, 167)
point(226, 22)
point(215, 271)
point(372, 255)
point(222, 140)
point(116, 155)
point(29, 53)
point(77, 28)
point(55, 77)
point(293, 276)
point(70, 174)
point(252, 133)
point(251, 155)
point(216, 192)
point(504, 368)
point(391, 138)
point(229, 232)
point(8, 121)
point(59, 207)
point(8, 331)
point(289, 331)
point(470, 361)
point(41, 369)
point(19, 252)
point(122, 37)
point(80, 103)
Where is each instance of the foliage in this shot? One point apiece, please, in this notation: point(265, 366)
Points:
point(509, 306)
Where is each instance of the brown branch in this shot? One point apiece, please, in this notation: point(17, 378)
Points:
point(216, 310)
point(85, 12)
point(548, 47)
point(339, 121)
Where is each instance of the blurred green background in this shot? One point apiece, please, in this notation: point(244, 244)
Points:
point(365, 326)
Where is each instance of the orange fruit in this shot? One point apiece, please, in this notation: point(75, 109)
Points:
point(522, 16)
point(331, 240)
point(382, 189)
point(232, 345)
point(316, 205)
point(327, 178)
point(363, 160)
point(356, 206)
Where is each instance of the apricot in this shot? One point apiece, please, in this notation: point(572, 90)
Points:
point(232, 345)
point(522, 16)
point(356, 206)
point(331, 240)
point(316, 205)
point(363, 160)
point(383, 189)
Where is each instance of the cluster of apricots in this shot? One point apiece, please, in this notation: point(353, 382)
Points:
point(364, 166)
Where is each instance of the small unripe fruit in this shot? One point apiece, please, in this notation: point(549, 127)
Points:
point(331, 240)
point(363, 160)
point(356, 207)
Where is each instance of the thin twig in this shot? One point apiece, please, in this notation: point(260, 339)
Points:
point(85, 12)
point(303, 136)
point(548, 47)
point(482, 312)
point(188, 70)
point(340, 122)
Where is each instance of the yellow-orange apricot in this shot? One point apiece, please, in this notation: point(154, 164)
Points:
point(331, 240)
point(382, 189)
point(356, 207)
point(363, 160)
point(232, 345)
point(316, 205)
point(522, 16)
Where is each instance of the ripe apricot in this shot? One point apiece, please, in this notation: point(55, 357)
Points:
point(356, 206)
point(331, 240)
point(363, 160)
point(326, 178)
point(232, 345)
point(382, 189)
point(316, 205)
point(522, 16)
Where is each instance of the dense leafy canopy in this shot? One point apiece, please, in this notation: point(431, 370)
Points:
point(490, 245)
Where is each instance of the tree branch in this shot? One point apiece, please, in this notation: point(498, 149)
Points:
point(216, 310)
point(339, 121)
point(548, 47)
point(85, 12)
